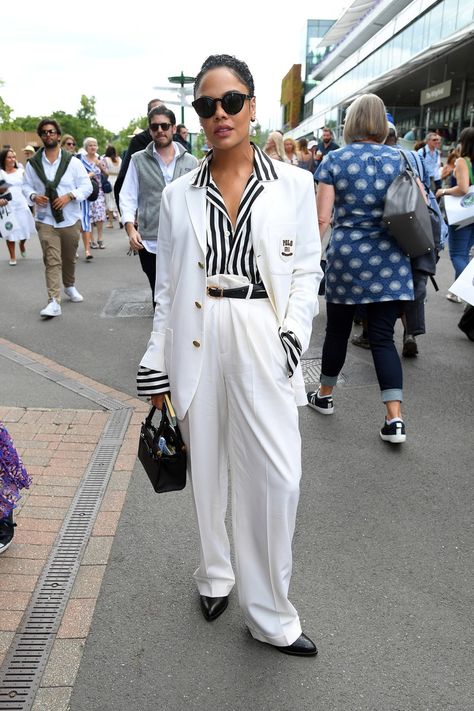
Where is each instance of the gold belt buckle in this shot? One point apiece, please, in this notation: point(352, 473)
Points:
point(216, 288)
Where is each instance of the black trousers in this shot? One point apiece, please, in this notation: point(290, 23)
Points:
point(148, 262)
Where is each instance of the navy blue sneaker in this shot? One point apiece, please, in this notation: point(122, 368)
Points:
point(324, 405)
point(394, 432)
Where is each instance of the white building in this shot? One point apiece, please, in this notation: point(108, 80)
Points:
point(418, 56)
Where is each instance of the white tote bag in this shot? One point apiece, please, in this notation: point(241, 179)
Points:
point(460, 210)
point(8, 223)
point(464, 284)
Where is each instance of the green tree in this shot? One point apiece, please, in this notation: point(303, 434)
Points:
point(122, 140)
point(5, 112)
point(87, 112)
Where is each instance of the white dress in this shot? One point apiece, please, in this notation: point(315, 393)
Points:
point(113, 169)
point(24, 222)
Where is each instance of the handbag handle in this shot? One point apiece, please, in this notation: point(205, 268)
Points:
point(409, 166)
point(150, 415)
point(167, 410)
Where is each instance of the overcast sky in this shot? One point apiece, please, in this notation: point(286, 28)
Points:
point(52, 53)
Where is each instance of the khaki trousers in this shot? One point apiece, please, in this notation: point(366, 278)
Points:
point(59, 245)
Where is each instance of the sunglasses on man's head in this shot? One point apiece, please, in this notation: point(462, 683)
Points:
point(163, 126)
point(232, 102)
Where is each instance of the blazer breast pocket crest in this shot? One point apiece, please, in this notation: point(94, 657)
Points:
point(287, 247)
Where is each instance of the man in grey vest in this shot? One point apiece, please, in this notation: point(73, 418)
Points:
point(149, 172)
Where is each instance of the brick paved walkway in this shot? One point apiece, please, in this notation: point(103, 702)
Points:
point(56, 446)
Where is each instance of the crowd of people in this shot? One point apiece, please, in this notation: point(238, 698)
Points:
point(231, 248)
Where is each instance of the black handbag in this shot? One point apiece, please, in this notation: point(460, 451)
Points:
point(162, 452)
point(95, 189)
point(406, 214)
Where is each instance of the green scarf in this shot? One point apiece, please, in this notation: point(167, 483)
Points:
point(50, 186)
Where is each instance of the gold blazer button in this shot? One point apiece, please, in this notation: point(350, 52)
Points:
point(196, 343)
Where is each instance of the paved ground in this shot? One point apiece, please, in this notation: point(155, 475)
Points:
point(383, 547)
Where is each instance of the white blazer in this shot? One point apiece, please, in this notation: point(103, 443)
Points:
point(287, 247)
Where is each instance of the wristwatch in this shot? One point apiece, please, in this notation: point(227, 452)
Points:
point(71, 196)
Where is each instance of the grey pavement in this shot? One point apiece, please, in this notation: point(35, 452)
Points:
point(383, 547)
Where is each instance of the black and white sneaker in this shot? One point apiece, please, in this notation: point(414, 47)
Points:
point(324, 405)
point(7, 529)
point(393, 432)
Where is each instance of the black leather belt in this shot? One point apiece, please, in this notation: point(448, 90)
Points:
point(258, 292)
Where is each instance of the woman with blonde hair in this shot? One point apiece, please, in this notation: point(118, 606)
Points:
point(274, 146)
point(291, 156)
point(68, 142)
point(364, 263)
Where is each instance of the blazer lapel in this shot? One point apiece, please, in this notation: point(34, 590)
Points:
point(196, 203)
point(260, 211)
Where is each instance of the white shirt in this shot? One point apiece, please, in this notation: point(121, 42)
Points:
point(129, 190)
point(75, 180)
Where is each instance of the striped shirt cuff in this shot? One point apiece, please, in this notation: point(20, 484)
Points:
point(151, 382)
point(292, 348)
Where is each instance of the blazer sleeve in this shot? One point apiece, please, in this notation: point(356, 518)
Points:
point(303, 303)
point(154, 356)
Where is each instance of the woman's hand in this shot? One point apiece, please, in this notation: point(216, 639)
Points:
point(3, 202)
point(158, 400)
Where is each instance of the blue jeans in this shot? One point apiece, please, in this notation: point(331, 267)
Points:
point(381, 318)
point(460, 242)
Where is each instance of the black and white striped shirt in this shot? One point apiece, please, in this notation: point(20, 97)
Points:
point(229, 250)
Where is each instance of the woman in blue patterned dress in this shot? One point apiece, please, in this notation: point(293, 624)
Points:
point(364, 263)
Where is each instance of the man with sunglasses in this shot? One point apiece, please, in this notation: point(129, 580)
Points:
point(150, 170)
point(56, 184)
point(137, 143)
point(431, 155)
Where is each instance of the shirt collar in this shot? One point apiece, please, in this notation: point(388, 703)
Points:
point(157, 155)
point(263, 168)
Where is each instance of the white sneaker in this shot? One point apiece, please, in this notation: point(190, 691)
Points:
point(12, 262)
point(52, 309)
point(453, 297)
point(73, 294)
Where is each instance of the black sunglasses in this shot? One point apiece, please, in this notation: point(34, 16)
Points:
point(163, 126)
point(49, 132)
point(232, 102)
point(70, 143)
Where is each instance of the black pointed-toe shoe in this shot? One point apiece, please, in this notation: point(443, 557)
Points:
point(302, 647)
point(212, 607)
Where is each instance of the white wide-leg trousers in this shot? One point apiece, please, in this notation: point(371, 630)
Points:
point(244, 419)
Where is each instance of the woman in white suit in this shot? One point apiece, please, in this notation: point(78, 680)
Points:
point(236, 292)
